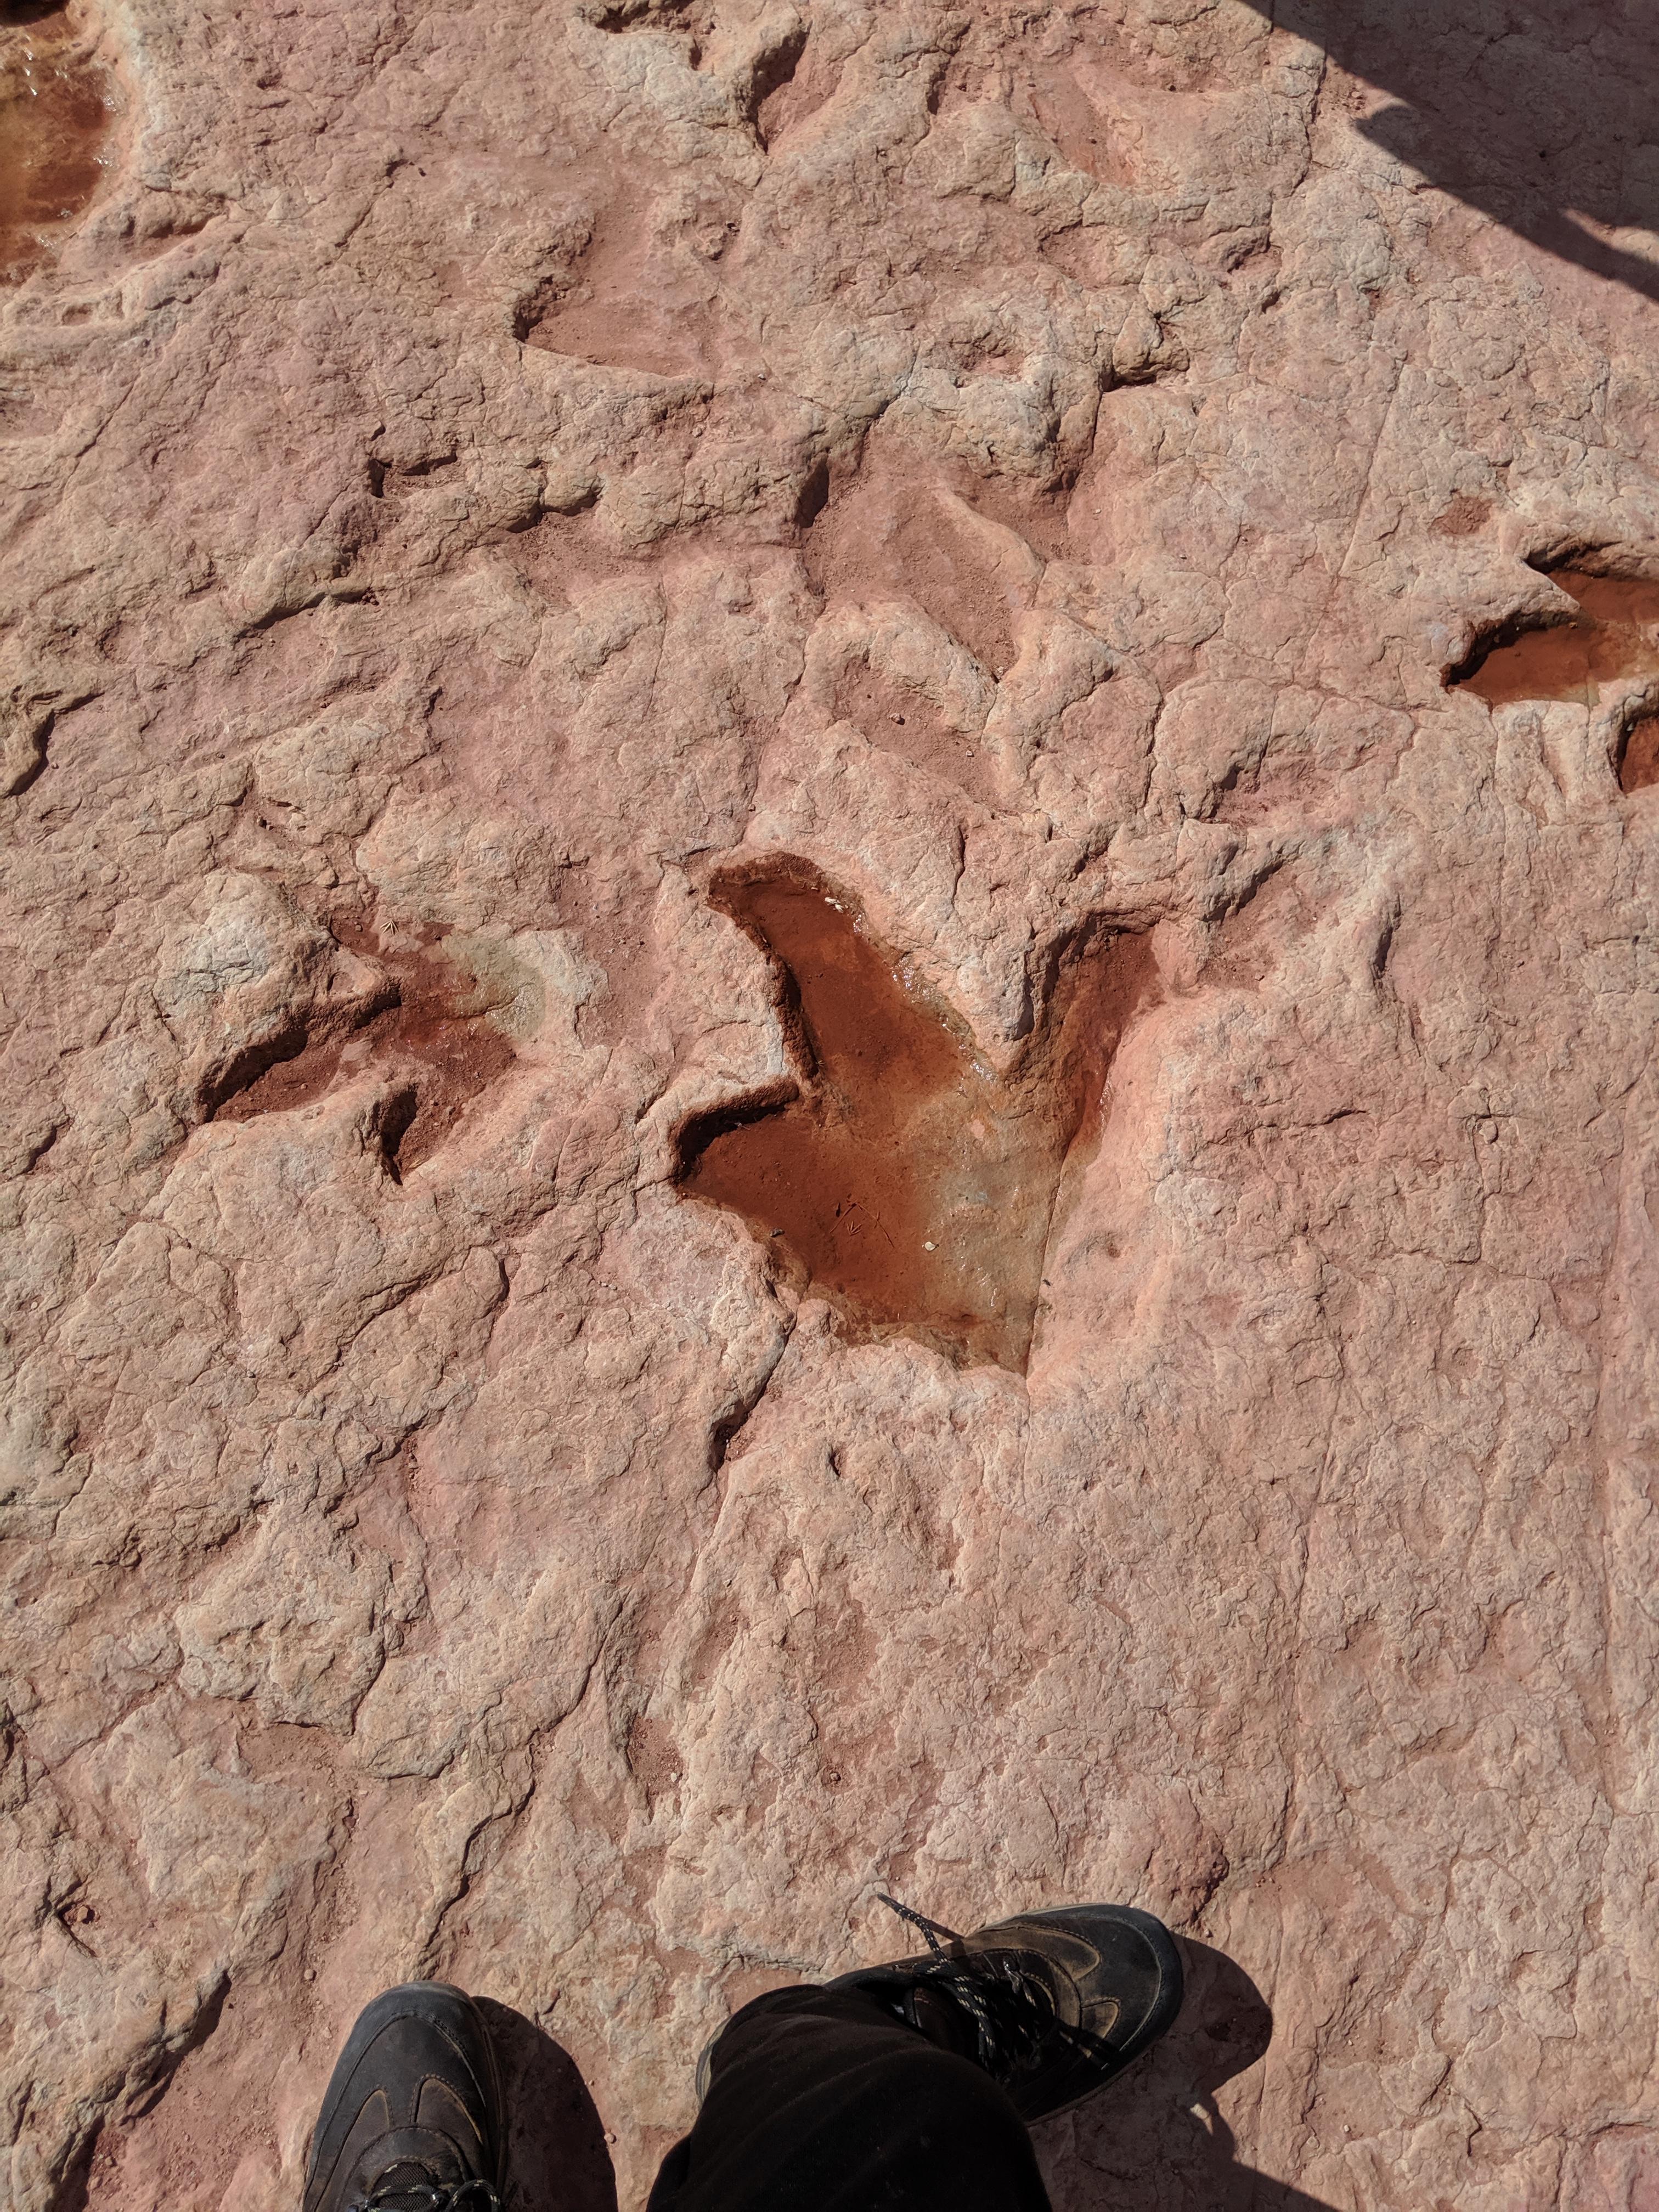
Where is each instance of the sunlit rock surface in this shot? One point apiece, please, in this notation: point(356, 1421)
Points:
point(1124, 484)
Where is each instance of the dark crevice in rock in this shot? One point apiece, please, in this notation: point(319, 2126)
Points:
point(1638, 753)
point(397, 1117)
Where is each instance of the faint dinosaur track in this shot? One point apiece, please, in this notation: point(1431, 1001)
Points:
point(56, 110)
point(631, 300)
point(901, 1178)
point(904, 721)
point(763, 70)
point(935, 643)
point(792, 89)
point(1461, 516)
point(894, 529)
point(432, 1018)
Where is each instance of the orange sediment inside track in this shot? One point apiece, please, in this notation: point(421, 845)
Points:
point(54, 121)
point(1614, 637)
point(906, 1182)
point(437, 1028)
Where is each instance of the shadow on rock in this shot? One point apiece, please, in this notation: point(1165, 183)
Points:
point(1533, 117)
point(1156, 2139)
point(556, 2145)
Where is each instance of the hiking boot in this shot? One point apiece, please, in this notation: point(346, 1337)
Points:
point(1052, 2004)
point(412, 2119)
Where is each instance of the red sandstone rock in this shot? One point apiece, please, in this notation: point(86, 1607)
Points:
point(479, 480)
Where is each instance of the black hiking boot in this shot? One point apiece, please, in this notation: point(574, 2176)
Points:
point(1052, 2004)
point(412, 2118)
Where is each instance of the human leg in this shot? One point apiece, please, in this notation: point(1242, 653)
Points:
point(905, 2085)
point(821, 2100)
point(910, 2084)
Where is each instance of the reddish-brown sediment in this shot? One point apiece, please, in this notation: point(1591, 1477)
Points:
point(54, 125)
point(1462, 517)
point(905, 1180)
point(1614, 637)
point(434, 1023)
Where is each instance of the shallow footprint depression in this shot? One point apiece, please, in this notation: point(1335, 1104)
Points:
point(905, 1180)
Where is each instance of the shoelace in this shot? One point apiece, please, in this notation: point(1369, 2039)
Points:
point(429, 2197)
point(1013, 2014)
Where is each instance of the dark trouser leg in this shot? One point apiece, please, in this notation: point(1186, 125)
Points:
point(822, 2101)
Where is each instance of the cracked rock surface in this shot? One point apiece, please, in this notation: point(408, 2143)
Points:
point(480, 481)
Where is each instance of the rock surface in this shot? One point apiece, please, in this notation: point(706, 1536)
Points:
point(476, 476)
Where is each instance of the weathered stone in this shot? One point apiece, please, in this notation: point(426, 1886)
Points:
point(476, 482)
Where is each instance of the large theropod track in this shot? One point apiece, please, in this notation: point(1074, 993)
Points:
point(909, 1182)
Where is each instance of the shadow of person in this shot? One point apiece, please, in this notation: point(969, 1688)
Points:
point(556, 2149)
point(1536, 117)
point(1155, 2138)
